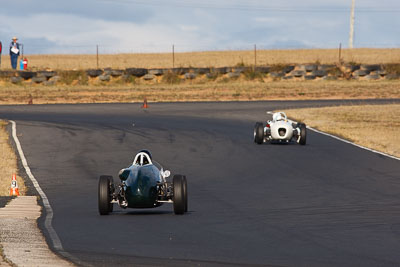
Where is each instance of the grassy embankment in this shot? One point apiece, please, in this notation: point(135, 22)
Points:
point(8, 164)
point(210, 59)
point(372, 126)
point(215, 91)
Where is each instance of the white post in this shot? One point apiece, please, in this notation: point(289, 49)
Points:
point(351, 37)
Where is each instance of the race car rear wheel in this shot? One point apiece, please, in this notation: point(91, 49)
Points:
point(185, 193)
point(259, 133)
point(303, 134)
point(255, 130)
point(179, 194)
point(105, 194)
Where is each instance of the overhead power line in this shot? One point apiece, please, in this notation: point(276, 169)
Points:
point(209, 5)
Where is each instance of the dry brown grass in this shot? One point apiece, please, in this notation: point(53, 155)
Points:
point(218, 90)
point(373, 126)
point(211, 58)
point(8, 164)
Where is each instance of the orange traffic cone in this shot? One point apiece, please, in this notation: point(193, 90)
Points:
point(14, 186)
point(145, 103)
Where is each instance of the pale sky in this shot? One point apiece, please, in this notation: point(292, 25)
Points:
point(126, 26)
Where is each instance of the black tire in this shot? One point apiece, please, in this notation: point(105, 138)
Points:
point(255, 130)
point(185, 193)
point(259, 133)
point(179, 195)
point(106, 185)
point(27, 74)
point(94, 73)
point(303, 134)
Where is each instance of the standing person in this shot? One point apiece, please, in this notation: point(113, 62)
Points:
point(14, 52)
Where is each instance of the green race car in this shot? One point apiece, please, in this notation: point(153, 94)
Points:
point(143, 185)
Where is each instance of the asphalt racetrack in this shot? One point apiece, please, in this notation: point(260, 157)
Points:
point(324, 204)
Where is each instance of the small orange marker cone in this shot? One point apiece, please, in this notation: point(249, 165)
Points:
point(14, 186)
point(145, 103)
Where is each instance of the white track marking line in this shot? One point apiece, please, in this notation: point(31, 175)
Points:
point(49, 211)
point(354, 144)
point(346, 141)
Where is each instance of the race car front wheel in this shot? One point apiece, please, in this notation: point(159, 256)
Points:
point(303, 134)
point(105, 194)
point(259, 133)
point(255, 130)
point(185, 193)
point(179, 197)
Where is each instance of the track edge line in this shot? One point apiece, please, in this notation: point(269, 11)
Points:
point(354, 144)
point(347, 141)
point(56, 242)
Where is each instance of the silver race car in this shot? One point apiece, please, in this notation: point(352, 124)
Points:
point(280, 129)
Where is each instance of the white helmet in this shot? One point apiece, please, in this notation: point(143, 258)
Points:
point(277, 117)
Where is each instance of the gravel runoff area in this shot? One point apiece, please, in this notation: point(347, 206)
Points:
point(3, 202)
point(21, 240)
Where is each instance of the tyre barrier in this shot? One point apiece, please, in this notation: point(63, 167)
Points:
point(263, 70)
point(39, 79)
point(319, 73)
point(279, 72)
point(27, 74)
point(156, 72)
point(190, 76)
point(233, 75)
point(180, 71)
point(15, 80)
point(370, 68)
point(360, 73)
point(201, 71)
point(288, 69)
point(308, 68)
point(137, 72)
point(116, 73)
point(148, 77)
point(94, 73)
point(310, 77)
point(298, 73)
point(326, 67)
point(105, 77)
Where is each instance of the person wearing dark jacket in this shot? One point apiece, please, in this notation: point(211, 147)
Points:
point(14, 52)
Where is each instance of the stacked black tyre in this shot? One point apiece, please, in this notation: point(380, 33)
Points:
point(258, 133)
point(180, 198)
point(106, 185)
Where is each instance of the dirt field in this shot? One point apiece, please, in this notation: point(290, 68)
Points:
point(210, 59)
point(372, 126)
point(214, 91)
point(8, 164)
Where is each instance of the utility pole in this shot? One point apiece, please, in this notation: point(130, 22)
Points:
point(351, 37)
